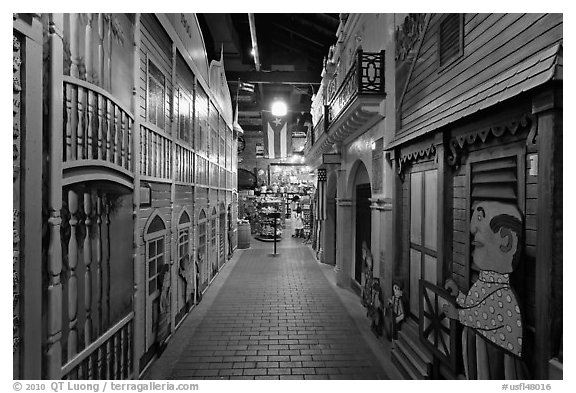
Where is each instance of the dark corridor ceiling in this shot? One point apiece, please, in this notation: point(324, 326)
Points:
point(291, 49)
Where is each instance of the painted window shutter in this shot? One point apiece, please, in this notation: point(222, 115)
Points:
point(495, 179)
point(450, 38)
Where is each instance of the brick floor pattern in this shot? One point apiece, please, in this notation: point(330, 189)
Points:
point(277, 318)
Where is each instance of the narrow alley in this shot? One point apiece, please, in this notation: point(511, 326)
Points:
point(274, 317)
point(408, 167)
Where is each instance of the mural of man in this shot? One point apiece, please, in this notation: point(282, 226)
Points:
point(230, 229)
point(492, 336)
point(186, 271)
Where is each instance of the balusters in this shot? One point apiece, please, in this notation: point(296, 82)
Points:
point(144, 148)
point(72, 280)
point(122, 351)
point(109, 365)
point(109, 157)
point(70, 93)
point(89, 115)
point(129, 161)
point(80, 124)
point(155, 158)
point(124, 139)
point(141, 150)
point(163, 157)
point(117, 136)
point(148, 148)
point(100, 126)
point(169, 159)
point(129, 349)
point(116, 344)
point(88, 276)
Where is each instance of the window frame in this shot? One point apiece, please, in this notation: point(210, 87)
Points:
point(184, 95)
point(148, 95)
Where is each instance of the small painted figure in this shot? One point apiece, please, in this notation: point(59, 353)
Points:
point(367, 274)
point(197, 265)
point(230, 245)
point(186, 271)
point(395, 311)
point(489, 312)
point(376, 308)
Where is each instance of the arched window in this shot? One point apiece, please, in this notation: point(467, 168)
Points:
point(202, 257)
point(155, 240)
point(185, 286)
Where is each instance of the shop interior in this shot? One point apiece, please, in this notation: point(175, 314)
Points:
point(277, 202)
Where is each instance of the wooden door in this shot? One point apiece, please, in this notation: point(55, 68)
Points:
point(423, 233)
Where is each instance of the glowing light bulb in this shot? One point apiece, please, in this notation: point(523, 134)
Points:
point(279, 108)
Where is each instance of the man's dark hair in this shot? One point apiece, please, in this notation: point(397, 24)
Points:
point(509, 223)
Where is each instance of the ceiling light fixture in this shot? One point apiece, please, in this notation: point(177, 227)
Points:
point(279, 108)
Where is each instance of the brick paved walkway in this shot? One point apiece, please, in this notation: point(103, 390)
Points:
point(273, 318)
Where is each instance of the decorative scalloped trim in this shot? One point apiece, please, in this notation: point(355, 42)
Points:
point(458, 143)
point(405, 159)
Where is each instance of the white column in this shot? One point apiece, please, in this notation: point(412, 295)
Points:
point(344, 250)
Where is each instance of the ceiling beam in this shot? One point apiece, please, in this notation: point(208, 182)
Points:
point(294, 32)
point(279, 77)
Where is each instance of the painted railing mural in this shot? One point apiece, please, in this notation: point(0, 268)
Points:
point(97, 128)
point(155, 153)
point(184, 164)
point(109, 357)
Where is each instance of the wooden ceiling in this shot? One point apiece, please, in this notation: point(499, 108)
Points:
point(291, 50)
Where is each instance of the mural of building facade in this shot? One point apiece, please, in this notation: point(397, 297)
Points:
point(137, 146)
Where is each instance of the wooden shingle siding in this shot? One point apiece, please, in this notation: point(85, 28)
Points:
point(529, 260)
point(459, 235)
point(183, 193)
point(493, 44)
point(450, 44)
point(405, 220)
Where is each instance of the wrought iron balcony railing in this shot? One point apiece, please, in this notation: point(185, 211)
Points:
point(365, 77)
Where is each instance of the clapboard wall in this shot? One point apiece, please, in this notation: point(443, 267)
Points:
point(492, 44)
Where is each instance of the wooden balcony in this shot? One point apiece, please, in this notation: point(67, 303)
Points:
point(109, 357)
point(156, 154)
point(353, 103)
point(97, 135)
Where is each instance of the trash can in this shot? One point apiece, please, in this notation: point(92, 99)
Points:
point(244, 235)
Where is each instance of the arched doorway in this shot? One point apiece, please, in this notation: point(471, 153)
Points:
point(362, 193)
